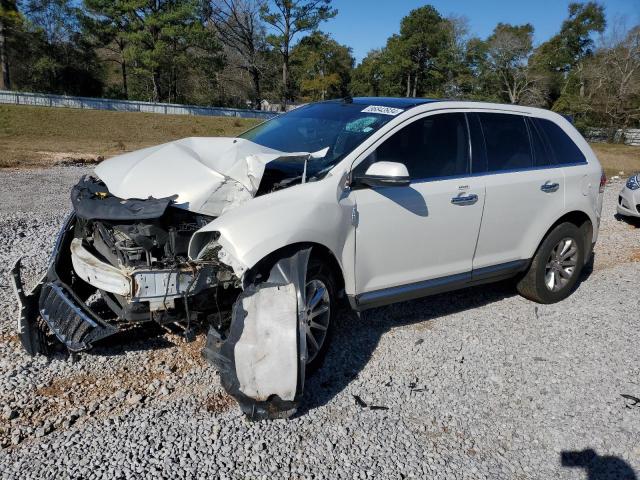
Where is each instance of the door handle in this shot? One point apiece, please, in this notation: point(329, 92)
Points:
point(465, 199)
point(549, 187)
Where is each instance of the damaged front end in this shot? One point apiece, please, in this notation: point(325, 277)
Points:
point(117, 263)
point(120, 262)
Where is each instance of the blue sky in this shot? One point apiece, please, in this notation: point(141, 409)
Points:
point(366, 24)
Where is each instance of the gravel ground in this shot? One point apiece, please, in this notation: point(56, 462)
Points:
point(478, 384)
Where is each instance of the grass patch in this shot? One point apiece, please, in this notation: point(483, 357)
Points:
point(616, 158)
point(41, 136)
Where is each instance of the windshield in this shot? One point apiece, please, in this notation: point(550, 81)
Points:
point(337, 128)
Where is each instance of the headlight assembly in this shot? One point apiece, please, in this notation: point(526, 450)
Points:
point(634, 182)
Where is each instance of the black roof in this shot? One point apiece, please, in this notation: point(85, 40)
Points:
point(394, 102)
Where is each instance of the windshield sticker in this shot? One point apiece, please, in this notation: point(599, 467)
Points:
point(383, 110)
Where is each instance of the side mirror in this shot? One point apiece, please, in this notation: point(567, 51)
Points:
point(384, 174)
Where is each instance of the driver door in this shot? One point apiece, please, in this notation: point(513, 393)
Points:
point(417, 239)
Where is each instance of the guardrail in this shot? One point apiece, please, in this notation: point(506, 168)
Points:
point(63, 101)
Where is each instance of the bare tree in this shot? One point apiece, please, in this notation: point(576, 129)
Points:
point(241, 30)
point(613, 79)
point(508, 51)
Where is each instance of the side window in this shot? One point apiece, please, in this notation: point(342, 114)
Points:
point(431, 147)
point(542, 156)
point(562, 147)
point(507, 141)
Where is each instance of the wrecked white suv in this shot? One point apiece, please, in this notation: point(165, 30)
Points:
point(257, 238)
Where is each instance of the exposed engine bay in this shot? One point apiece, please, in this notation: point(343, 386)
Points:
point(122, 261)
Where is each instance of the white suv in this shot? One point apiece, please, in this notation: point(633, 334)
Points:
point(378, 200)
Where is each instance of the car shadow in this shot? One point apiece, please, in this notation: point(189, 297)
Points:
point(147, 336)
point(356, 337)
point(407, 198)
point(598, 467)
point(633, 221)
point(144, 337)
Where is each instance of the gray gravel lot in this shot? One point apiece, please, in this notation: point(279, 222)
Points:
point(479, 383)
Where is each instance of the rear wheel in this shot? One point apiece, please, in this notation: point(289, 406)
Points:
point(556, 266)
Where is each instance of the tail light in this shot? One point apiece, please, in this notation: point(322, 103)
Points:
point(603, 182)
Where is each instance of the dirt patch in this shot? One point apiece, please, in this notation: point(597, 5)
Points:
point(218, 403)
point(9, 338)
point(635, 255)
point(425, 326)
point(69, 158)
point(617, 159)
point(64, 401)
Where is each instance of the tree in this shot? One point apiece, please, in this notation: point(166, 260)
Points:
point(107, 23)
point(423, 59)
point(289, 18)
point(507, 52)
point(51, 54)
point(561, 57)
point(423, 35)
point(367, 77)
point(165, 40)
point(612, 81)
point(322, 67)
point(9, 19)
point(240, 29)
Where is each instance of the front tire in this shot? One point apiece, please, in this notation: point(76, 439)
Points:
point(321, 305)
point(556, 266)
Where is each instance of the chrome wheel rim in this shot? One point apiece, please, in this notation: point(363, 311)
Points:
point(318, 314)
point(561, 264)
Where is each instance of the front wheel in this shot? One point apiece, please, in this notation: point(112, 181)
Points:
point(319, 312)
point(556, 266)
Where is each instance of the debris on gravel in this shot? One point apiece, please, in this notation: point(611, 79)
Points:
point(479, 383)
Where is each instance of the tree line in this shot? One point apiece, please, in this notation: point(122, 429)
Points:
point(243, 53)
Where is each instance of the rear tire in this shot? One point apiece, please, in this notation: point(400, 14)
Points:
point(556, 266)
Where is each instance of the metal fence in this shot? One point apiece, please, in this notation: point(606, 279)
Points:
point(46, 100)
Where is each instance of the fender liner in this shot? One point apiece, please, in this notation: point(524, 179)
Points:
point(252, 366)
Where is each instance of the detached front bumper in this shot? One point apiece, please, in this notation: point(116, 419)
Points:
point(62, 311)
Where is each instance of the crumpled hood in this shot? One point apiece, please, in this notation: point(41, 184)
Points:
point(209, 175)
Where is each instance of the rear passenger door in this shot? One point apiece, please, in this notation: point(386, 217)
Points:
point(524, 193)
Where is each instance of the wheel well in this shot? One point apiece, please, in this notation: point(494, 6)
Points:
point(317, 251)
point(580, 220)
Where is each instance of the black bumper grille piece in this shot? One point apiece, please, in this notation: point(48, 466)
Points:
point(70, 320)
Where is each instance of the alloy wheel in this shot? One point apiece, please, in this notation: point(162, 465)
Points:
point(561, 264)
point(318, 315)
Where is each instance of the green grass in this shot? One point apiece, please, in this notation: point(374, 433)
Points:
point(40, 136)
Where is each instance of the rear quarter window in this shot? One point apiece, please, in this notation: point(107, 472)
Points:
point(562, 149)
